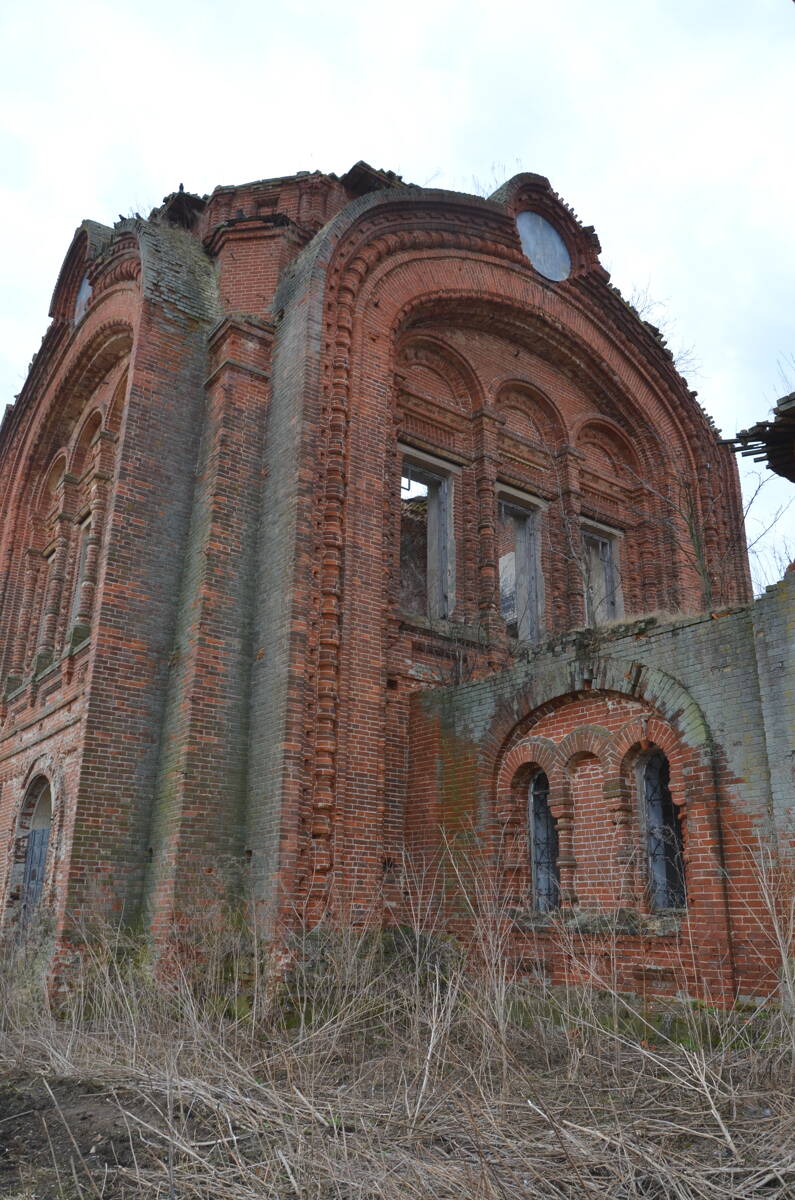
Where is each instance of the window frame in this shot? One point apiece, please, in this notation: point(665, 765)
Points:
point(441, 557)
point(529, 628)
point(655, 885)
point(549, 900)
point(32, 849)
point(37, 847)
point(593, 531)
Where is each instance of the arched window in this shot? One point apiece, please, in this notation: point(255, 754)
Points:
point(40, 797)
point(663, 836)
point(543, 847)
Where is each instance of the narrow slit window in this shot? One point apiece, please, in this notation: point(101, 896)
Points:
point(518, 568)
point(425, 542)
point(543, 847)
point(663, 837)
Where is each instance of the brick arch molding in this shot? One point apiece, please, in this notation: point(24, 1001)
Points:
point(324, 301)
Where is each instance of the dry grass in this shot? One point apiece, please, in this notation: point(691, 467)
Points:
point(384, 1067)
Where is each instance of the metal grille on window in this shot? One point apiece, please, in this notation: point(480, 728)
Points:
point(543, 847)
point(38, 838)
point(663, 837)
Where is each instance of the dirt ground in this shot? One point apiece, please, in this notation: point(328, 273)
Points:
point(65, 1140)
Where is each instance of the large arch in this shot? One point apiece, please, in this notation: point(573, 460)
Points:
point(660, 716)
point(386, 263)
point(83, 391)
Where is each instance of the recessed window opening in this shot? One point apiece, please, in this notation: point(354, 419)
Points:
point(663, 836)
point(543, 847)
point(602, 588)
point(53, 482)
point(45, 587)
point(83, 297)
point(36, 851)
point(425, 541)
point(518, 567)
point(84, 534)
point(544, 246)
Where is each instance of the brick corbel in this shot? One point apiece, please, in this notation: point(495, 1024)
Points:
point(240, 344)
point(271, 225)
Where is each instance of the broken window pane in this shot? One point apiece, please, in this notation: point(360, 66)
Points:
point(602, 596)
point(83, 296)
point(544, 847)
point(424, 538)
point(663, 837)
point(516, 549)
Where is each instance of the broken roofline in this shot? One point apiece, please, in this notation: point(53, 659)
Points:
point(773, 441)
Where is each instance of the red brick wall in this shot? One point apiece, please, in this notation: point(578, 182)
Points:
point(245, 695)
point(422, 333)
point(474, 751)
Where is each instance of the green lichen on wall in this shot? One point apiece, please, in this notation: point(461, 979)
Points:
point(725, 680)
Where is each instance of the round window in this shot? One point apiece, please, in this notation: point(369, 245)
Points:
point(544, 246)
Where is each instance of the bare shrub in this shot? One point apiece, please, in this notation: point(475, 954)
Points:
point(383, 1064)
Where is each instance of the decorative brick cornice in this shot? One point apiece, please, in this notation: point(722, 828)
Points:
point(240, 323)
point(470, 231)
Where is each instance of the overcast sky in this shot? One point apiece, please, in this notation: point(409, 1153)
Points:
point(667, 124)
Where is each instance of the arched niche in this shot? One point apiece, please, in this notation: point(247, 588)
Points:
point(83, 443)
point(46, 500)
point(40, 795)
point(608, 453)
point(53, 478)
point(63, 481)
point(543, 845)
point(72, 291)
point(88, 384)
point(113, 417)
point(531, 415)
point(429, 370)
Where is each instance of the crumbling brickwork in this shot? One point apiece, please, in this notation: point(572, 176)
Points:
point(593, 707)
point(298, 462)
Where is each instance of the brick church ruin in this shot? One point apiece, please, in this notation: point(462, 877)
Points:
point(342, 519)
